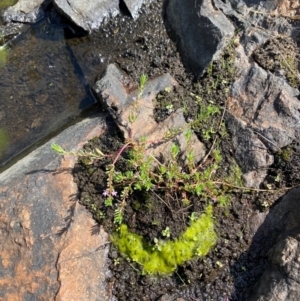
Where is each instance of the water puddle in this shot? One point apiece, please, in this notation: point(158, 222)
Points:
point(41, 88)
point(46, 73)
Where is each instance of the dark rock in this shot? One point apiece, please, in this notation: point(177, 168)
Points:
point(88, 15)
point(280, 232)
point(268, 105)
point(200, 30)
point(47, 249)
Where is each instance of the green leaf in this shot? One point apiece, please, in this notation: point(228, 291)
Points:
point(58, 149)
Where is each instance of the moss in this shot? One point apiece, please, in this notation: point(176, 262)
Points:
point(287, 153)
point(197, 240)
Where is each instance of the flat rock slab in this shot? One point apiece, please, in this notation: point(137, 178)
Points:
point(88, 14)
point(134, 6)
point(48, 251)
point(133, 110)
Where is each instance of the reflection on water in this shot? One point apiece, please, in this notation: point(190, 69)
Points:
point(4, 3)
point(3, 140)
point(3, 55)
point(40, 90)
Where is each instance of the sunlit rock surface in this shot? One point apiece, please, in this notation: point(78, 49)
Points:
point(49, 247)
point(88, 15)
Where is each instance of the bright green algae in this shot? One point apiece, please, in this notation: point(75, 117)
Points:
point(197, 240)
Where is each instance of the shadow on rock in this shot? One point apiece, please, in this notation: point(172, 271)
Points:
point(273, 255)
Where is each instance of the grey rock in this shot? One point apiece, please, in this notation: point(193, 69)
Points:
point(134, 6)
point(201, 31)
point(268, 105)
point(263, 116)
point(124, 100)
point(88, 15)
point(281, 232)
point(25, 11)
point(46, 244)
point(250, 152)
point(106, 91)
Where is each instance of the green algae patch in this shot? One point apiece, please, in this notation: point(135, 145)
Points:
point(3, 56)
point(197, 240)
point(3, 140)
point(5, 3)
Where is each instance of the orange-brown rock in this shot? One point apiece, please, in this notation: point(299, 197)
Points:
point(48, 251)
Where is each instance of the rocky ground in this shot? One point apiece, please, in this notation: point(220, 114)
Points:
point(257, 97)
point(235, 264)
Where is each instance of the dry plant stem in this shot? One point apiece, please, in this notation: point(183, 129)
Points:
point(162, 200)
point(128, 144)
point(267, 140)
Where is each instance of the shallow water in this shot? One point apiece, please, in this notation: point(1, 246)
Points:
point(50, 69)
point(41, 88)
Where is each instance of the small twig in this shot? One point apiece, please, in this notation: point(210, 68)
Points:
point(162, 200)
point(267, 139)
point(253, 189)
point(86, 254)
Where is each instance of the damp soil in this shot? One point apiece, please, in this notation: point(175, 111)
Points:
point(236, 262)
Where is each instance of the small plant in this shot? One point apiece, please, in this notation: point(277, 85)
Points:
point(166, 232)
point(142, 84)
point(158, 244)
point(170, 108)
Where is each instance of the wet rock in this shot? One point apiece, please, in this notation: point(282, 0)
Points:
point(133, 110)
point(134, 6)
point(11, 30)
point(281, 230)
point(88, 14)
point(47, 249)
point(201, 31)
point(25, 11)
